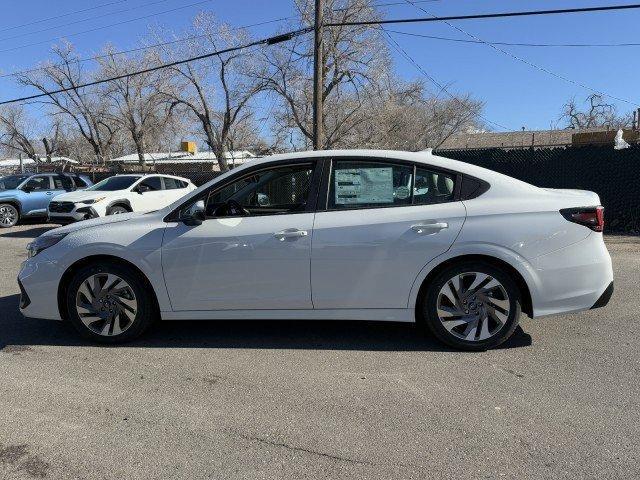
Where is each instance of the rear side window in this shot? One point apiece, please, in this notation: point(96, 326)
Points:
point(62, 182)
point(433, 187)
point(357, 184)
point(173, 183)
point(371, 184)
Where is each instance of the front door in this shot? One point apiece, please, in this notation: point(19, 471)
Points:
point(39, 192)
point(252, 252)
point(383, 223)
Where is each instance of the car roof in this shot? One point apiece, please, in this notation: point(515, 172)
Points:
point(426, 156)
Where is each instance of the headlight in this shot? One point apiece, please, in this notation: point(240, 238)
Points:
point(44, 242)
point(92, 201)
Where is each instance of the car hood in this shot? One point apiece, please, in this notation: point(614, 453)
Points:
point(9, 193)
point(94, 222)
point(80, 195)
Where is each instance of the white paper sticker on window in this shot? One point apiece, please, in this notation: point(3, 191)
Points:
point(364, 185)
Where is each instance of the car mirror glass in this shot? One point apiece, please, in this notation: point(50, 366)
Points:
point(195, 214)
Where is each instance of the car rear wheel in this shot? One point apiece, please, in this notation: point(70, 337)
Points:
point(109, 303)
point(9, 215)
point(117, 210)
point(472, 306)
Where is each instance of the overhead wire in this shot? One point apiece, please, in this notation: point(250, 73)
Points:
point(535, 65)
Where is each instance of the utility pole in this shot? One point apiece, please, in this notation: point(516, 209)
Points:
point(318, 78)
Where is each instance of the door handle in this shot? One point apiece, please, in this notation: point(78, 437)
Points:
point(49, 193)
point(432, 227)
point(290, 233)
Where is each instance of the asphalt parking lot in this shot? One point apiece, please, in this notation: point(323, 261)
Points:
point(252, 400)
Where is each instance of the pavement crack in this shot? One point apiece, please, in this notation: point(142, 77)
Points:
point(294, 448)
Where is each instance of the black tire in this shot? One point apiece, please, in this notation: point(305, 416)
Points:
point(146, 310)
point(9, 215)
point(429, 306)
point(118, 209)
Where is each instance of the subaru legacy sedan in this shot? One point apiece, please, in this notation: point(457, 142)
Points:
point(339, 235)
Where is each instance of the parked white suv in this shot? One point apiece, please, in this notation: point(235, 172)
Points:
point(119, 194)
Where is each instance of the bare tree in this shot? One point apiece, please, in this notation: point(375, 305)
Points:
point(217, 91)
point(356, 60)
point(86, 109)
point(597, 114)
point(136, 103)
point(19, 132)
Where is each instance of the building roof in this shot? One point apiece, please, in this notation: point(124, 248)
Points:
point(184, 157)
point(15, 162)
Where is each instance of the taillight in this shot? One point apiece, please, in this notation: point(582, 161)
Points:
point(591, 217)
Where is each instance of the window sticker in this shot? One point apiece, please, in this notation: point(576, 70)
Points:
point(364, 185)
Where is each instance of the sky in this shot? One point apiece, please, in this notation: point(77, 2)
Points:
point(515, 94)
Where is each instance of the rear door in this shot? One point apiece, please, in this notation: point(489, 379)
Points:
point(383, 221)
point(148, 195)
point(174, 189)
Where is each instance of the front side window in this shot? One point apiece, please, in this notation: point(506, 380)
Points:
point(359, 184)
point(113, 184)
point(38, 184)
point(272, 191)
point(152, 183)
point(80, 182)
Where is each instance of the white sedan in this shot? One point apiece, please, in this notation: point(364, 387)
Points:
point(459, 249)
point(119, 194)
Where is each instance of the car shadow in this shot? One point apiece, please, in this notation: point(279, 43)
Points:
point(34, 232)
point(17, 332)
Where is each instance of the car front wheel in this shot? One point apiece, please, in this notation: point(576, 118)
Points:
point(109, 303)
point(9, 215)
point(472, 306)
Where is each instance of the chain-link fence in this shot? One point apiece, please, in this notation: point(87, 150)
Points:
point(612, 174)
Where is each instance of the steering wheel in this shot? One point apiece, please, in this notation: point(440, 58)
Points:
point(234, 209)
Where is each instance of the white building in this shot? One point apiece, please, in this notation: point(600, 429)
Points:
point(184, 158)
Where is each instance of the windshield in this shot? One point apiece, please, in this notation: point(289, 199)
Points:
point(11, 182)
point(112, 184)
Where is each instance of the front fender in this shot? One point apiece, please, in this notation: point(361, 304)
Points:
point(519, 263)
point(137, 242)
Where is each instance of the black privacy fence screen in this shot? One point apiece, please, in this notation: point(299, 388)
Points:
point(612, 174)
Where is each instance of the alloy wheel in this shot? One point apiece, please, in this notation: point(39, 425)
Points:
point(473, 306)
point(8, 215)
point(106, 304)
point(118, 211)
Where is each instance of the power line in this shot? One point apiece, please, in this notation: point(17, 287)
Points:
point(184, 39)
point(105, 26)
point(514, 44)
point(264, 41)
point(438, 84)
point(62, 15)
point(139, 49)
point(482, 16)
point(96, 17)
point(529, 63)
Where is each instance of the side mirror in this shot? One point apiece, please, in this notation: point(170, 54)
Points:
point(142, 189)
point(27, 189)
point(194, 215)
